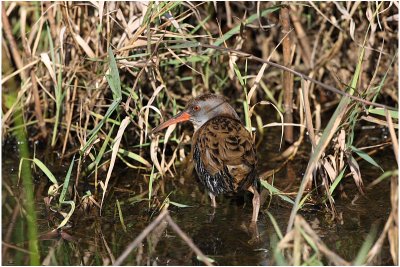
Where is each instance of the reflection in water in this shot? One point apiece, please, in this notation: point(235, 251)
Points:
point(224, 234)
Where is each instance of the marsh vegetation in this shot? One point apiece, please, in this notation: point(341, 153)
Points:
point(84, 182)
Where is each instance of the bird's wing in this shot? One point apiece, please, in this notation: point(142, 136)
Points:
point(226, 145)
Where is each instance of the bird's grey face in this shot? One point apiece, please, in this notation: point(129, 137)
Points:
point(203, 109)
point(200, 110)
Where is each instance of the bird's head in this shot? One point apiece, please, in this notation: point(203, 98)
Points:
point(200, 110)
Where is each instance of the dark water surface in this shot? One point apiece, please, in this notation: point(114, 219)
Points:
point(224, 235)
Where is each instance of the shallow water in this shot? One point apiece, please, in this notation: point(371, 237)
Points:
point(223, 234)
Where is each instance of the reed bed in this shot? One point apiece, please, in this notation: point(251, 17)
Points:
point(88, 81)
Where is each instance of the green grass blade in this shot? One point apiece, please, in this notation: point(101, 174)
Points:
point(205, 258)
point(380, 86)
point(57, 88)
point(71, 211)
point(380, 111)
point(366, 157)
point(121, 217)
point(113, 78)
point(45, 170)
point(366, 246)
point(189, 44)
point(276, 191)
point(93, 133)
point(99, 116)
point(134, 156)
point(337, 181)
point(52, 54)
point(383, 177)
point(96, 162)
point(239, 75)
point(278, 256)
point(63, 194)
point(66, 181)
point(247, 119)
point(190, 59)
point(104, 146)
point(152, 177)
point(200, 25)
point(275, 224)
point(303, 200)
point(313, 261)
point(309, 240)
point(179, 205)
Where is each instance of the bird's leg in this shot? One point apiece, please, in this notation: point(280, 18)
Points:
point(256, 203)
point(213, 202)
point(255, 235)
point(214, 205)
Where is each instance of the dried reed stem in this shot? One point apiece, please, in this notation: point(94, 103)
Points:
point(287, 77)
point(164, 215)
point(140, 238)
point(12, 44)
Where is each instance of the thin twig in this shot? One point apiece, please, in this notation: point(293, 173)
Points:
point(19, 70)
point(307, 110)
point(301, 36)
point(393, 135)
point(15, 247)
point(11, 227)
point(164, 215)
point(140, 238)
point(110, 254)
point(188, 241)
point(325, 17)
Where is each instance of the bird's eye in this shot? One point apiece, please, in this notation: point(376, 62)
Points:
point(196, 108)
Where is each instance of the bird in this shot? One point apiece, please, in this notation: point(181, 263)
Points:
point(223, 151)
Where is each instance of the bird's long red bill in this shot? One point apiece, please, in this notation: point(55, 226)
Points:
point(180, 117)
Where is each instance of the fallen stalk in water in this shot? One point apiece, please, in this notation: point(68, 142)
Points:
point(164, 215)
